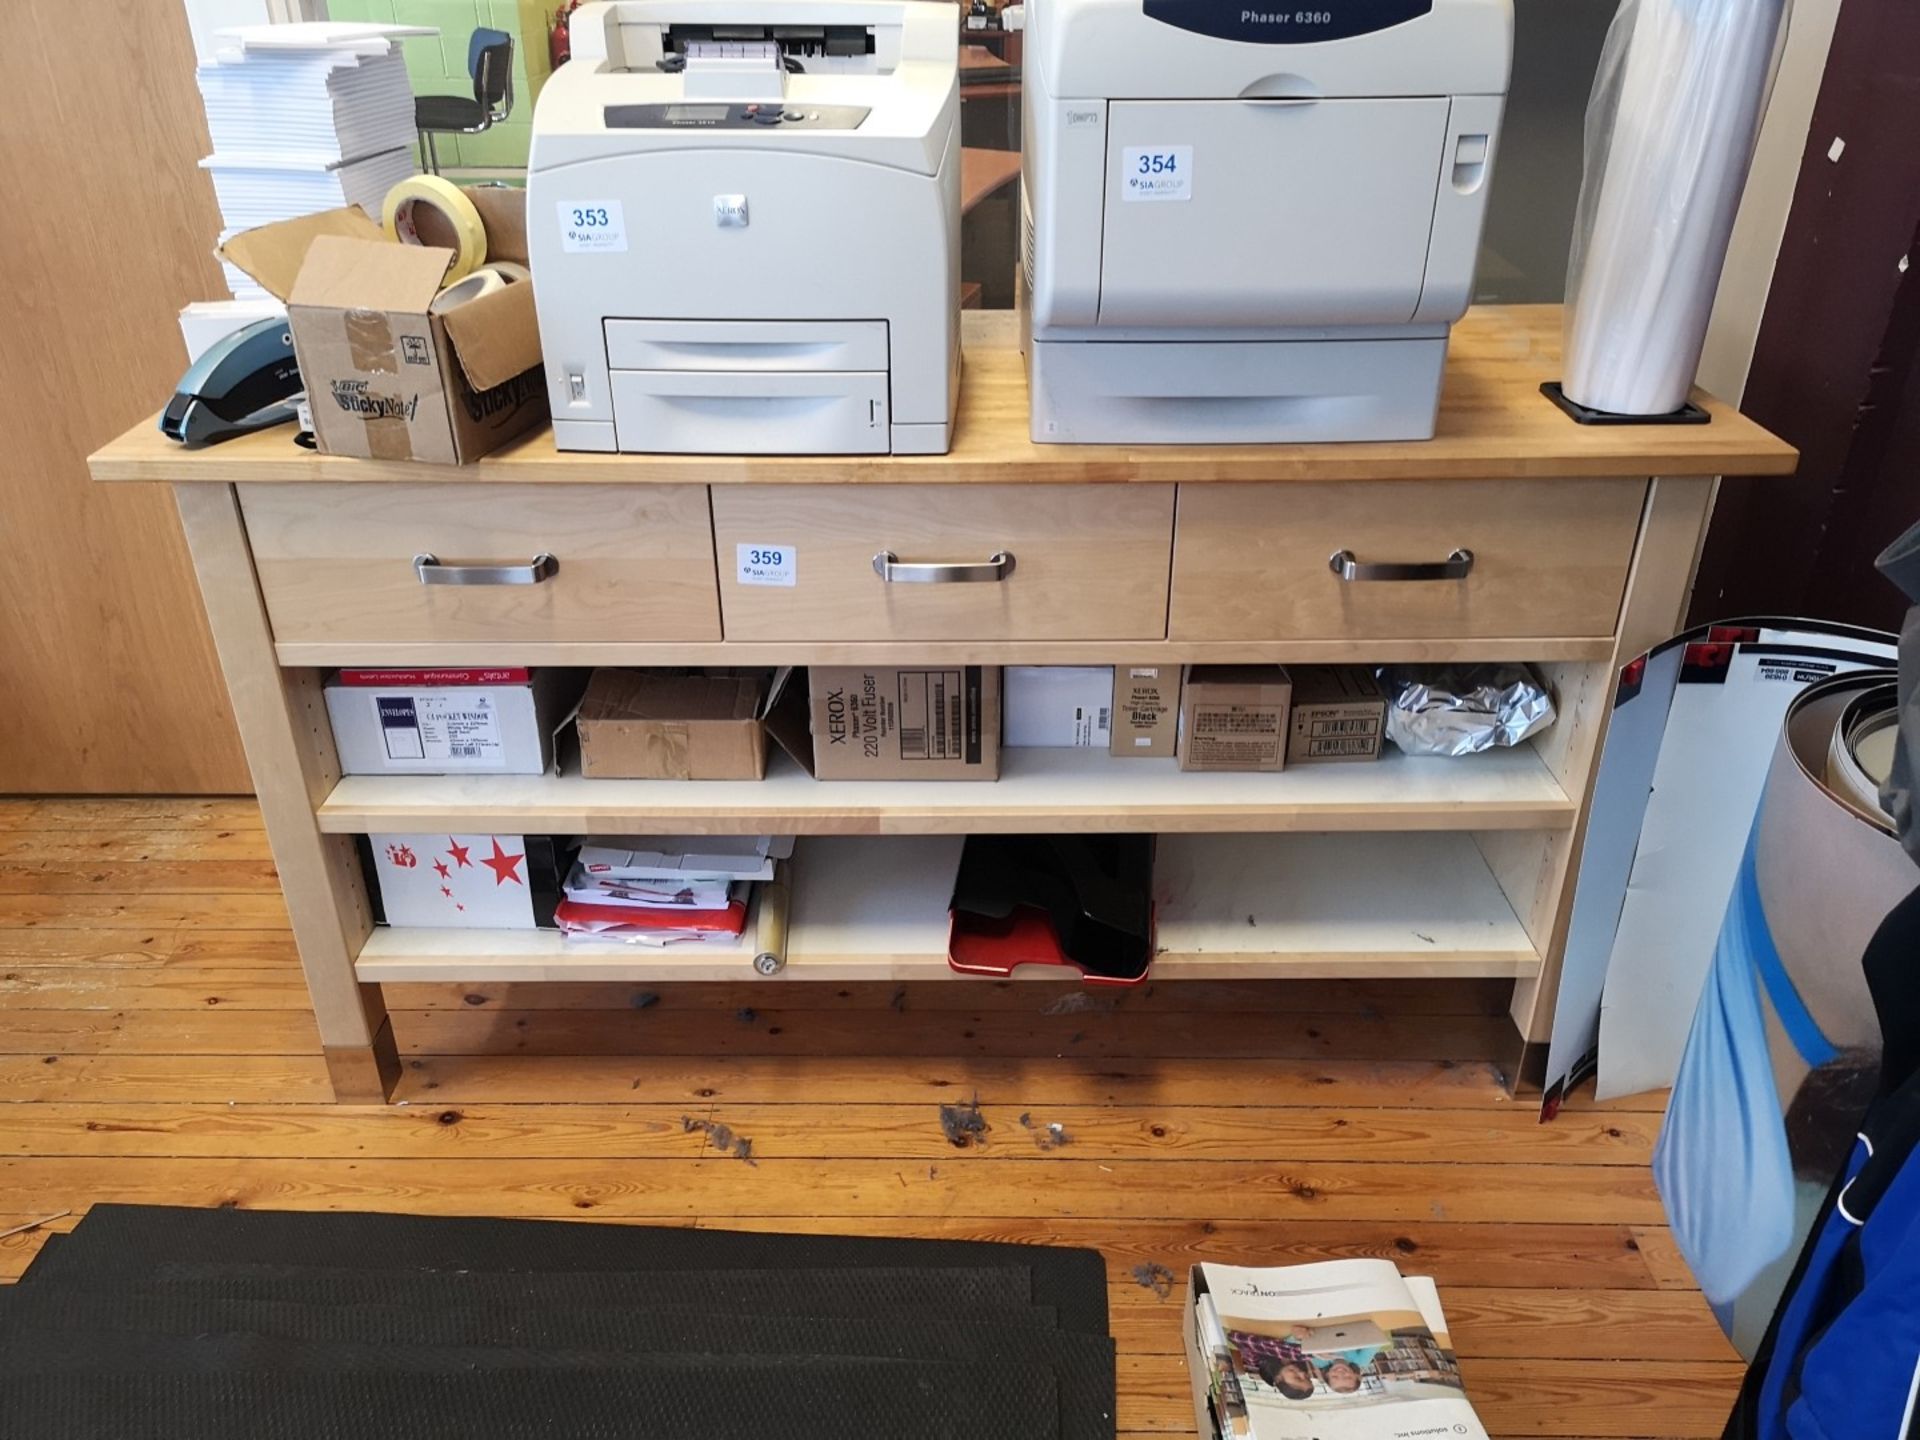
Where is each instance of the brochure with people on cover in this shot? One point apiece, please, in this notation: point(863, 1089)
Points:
point(1343, 1350)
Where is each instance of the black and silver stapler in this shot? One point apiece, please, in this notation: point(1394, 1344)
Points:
point(244, 383)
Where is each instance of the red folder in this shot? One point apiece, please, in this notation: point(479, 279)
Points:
point(979, 945)
point(730, 921)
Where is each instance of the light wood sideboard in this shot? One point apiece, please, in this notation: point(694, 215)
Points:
point(1583, 542)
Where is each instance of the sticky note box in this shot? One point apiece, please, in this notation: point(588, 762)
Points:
point(386, 378)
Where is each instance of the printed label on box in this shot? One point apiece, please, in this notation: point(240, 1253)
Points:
point(936, 720)
point(461, 732)
point(1234, 735)
point(766, 563)
point(1091, 727)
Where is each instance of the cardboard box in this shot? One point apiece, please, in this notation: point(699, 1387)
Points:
point(1057, 706)
point(903, 723)
point(443, 722)
point(386, 379)
point(1339, 713)
point(1146, 710)
point(1234, 717)
point(677, 724)
point(462, 882)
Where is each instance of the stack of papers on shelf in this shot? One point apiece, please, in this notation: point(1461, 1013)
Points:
point(305, 118)
point(667, 890)
point(1342, 1350)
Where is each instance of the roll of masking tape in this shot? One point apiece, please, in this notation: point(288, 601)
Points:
point(401, 211)
point(484, 281)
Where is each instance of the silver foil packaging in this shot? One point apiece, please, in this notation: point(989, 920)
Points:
point(1463, 709)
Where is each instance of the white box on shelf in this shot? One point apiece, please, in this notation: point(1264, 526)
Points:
point(1057, 706)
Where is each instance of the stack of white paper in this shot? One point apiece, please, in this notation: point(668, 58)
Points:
point(305, 118)
point(258, 190)
point(653, 894)
point(662, 891)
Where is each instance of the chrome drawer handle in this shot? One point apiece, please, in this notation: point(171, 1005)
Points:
point(888, 567)
point(432, 572)
point(1454, 567)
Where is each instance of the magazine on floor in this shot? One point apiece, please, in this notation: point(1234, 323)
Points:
point(1343, 1350)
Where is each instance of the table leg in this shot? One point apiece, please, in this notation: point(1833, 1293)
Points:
point(289, 745)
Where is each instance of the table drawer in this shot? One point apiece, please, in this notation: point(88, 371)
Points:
point(1047, 562)
point(1452, 559)
point(629, 562)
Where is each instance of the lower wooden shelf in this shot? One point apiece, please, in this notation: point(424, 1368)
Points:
point(1038, 790)
point(1229, 907)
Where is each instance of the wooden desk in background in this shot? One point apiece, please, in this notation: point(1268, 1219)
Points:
point(982, 172)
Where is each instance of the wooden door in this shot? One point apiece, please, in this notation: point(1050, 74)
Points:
point(111, 682)
point(1836, 365)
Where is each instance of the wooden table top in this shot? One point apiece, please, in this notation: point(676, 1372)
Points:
point(984, 171)
point(1493, 424)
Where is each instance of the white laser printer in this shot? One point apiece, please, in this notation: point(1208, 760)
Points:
point(1252, 224)
point(743, 219)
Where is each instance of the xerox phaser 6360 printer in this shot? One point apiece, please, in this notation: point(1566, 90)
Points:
point(1247, 222)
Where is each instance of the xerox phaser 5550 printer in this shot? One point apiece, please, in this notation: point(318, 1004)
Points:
point(744, 219)
point(1247, 222)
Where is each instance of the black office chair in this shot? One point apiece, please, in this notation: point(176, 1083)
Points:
point(490, 62)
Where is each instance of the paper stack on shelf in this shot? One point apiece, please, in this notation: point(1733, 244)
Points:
point(667, 891)
point(305, 118)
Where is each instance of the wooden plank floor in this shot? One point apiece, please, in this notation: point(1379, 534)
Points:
point(155, 1046)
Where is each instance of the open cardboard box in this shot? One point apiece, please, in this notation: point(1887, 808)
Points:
point(677, 725)
point(386, 379)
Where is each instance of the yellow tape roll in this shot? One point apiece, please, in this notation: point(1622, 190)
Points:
point(470, 235)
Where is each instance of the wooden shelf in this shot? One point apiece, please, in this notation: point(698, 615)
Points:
point(325, 654)
point(1039, 790)
point(1493, 424)
point(1229, 907)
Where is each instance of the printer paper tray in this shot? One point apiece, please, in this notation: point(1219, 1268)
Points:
point(789, 345)
point(751, 412)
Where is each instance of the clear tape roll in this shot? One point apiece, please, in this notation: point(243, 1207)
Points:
point(443, 196)
point(484, 281)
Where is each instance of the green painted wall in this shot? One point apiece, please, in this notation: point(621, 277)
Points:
point(438, 65)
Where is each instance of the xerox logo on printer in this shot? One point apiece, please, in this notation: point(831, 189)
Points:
point(354, 397)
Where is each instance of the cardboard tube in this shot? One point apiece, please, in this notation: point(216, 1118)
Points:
point(770, 929)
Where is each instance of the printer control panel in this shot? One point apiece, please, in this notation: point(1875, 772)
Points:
point(724, 115)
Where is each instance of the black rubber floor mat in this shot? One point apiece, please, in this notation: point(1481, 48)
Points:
point(1082, 1365)
point(698, 1399)
point(115, 1238)
point(980, 1295)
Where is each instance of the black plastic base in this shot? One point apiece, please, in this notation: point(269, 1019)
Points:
point(1687, 414)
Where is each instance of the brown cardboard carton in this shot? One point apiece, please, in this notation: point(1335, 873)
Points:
point(1234, 717)
point(676, 725)
point(386, 379)
point(1146, 709)
point(1339, 713)
point(905, 723)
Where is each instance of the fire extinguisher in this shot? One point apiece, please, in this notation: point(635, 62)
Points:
point(559, 38)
